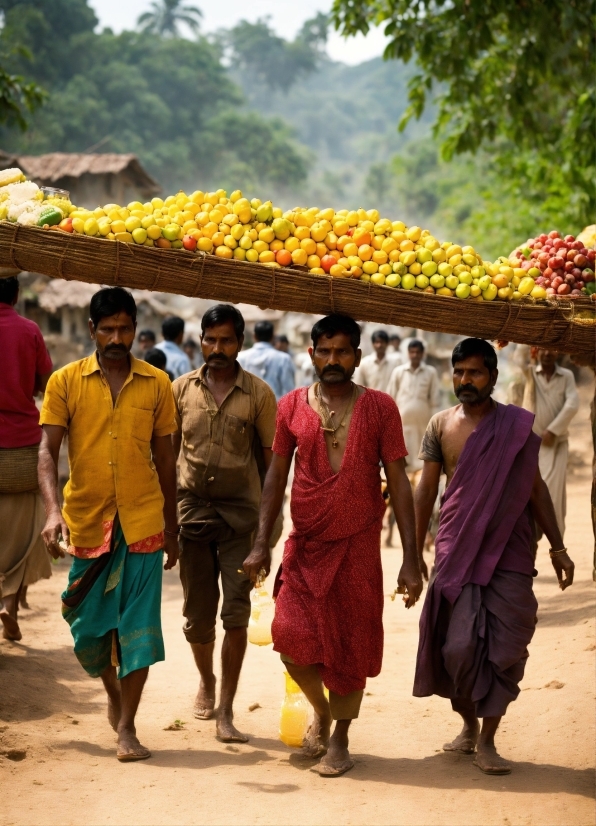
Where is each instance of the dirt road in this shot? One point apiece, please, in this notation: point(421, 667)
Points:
point(52, 716)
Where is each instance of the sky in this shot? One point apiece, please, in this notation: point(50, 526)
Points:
point(287, 16)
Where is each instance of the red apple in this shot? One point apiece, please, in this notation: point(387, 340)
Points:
point(327, 261)
point(542, 237)
point(563, 289)
point(592, 255)
point(588, 275)
point(553, 234)
point(189, 243)
point(556, 281)
point(571, 255)
point(580, 261)
point(570, 238)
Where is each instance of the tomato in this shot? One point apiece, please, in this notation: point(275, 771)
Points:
point(283, 257)
point(327, 261)
point(189, 243)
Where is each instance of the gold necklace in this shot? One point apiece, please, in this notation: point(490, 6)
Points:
point(327, 415)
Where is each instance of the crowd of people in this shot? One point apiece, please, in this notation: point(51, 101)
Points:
point(185, 454)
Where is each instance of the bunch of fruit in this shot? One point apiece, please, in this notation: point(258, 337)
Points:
point(560, 266)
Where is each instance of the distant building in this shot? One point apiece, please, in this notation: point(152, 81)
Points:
point(91, 179)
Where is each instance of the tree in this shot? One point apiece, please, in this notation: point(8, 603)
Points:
point(507, 76)
point(166, 17)
point(18, 98)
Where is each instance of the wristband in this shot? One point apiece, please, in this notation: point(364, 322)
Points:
point(552, 553)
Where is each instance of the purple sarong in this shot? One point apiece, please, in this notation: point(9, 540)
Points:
point(479, 614)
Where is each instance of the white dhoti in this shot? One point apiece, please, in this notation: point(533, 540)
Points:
point(414, 419)
point(23, 556)
point(553, 469)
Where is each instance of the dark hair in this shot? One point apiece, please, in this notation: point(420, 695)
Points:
point(395, 336)
point(172, 327)
point(380, 335)
point(156, 357)
point(110, 301)
point(283, 339)
point(220, 314)
point(416, 344)
point(146, 334)
point(9, 289)
point(263, 331)
point(475, 347)
point(333, 324)
point(190, 342)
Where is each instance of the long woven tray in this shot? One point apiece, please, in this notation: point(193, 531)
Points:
point(97, 261)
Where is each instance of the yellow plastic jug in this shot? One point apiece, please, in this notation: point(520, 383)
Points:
point(293, 720)
point(261, 617)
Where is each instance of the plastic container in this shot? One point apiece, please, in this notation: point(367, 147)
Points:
point(261, 616)
point(293, 720)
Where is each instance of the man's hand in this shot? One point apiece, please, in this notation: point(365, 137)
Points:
point(563, 565)
point(548, 438)
point(423, 567)
point(171, 549)
point(54, 528)
point(409, 582)
point(259, 557)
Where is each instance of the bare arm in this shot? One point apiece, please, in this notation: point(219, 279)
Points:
point(165, 464)
point(41, 383)
point(176, 442)
point(544, 513)
point(400, 493)
point(47, 472)
point(424, 502)
point(271, 503)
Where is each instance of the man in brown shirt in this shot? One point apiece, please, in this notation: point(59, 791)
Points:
point(226, 421)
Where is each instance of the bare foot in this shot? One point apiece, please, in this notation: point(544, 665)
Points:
point(316, 741)
point(226, 730)
point(11, 627)
point(465, 742)
point(490, 761)
point(336, 762)
point(114, 711)
point(204, 705)
point(129, 748)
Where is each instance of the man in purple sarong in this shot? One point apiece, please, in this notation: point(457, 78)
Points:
point(480, 611)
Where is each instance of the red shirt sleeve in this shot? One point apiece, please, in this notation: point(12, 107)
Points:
point(284, 443)
point(391, 438)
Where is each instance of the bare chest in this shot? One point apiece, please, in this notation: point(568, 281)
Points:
point(336, 428)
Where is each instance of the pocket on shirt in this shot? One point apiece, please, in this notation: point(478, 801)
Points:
point(142, 424)
point(237, 436)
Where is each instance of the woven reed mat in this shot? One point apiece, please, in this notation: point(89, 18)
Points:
point(567, 326)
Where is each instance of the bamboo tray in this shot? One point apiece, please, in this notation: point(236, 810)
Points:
point(567, 326)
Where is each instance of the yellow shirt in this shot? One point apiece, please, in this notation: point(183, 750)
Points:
point(109, 447)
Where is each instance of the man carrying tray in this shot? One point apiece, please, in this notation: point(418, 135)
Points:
point(328, 616)
point(480, 612)
point(119, 415)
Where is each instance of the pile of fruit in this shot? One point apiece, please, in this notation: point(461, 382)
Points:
point(356, 244)
point(561, 266)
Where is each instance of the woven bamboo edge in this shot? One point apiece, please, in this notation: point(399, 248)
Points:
point(73, 257)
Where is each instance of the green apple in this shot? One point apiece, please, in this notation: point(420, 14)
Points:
point(399, 268)
point(534, 272)
point(484, 282)
point(423, 255)
point(408, 282)
point(462, 291)
point(437, 281)
point(490, 293)
point(429, 268)
point(478, 272)
point(171, 232)
point(451, 281)
point(445, 269)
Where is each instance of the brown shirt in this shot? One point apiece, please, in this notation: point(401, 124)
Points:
point(218, 457)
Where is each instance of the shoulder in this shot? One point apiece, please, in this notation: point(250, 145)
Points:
point(439, 420)
point(432, 371)
point(567, 374)
point(74, 368)
point(181, 384)
point(258, 387)
point(288, 402)
point(380, 401)
point(399, 368)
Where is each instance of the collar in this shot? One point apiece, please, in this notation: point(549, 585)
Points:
point(7, 308)
point(141, 368)
point(262, 345)
point(556, 371)
point(242, 378)
point(415, 369)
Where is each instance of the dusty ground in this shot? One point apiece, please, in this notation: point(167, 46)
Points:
point(53, 718)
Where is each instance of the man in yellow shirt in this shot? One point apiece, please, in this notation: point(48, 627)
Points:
point(119, 415)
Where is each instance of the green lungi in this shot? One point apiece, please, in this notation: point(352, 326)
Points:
point(118, 619)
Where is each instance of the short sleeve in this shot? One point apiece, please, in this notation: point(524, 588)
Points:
point(284, 443)
point(391, 439)
point(43, 362)
point(430, 449)
point(176, 392)
point(265, 419)
point(55, 401)
point(164, 419)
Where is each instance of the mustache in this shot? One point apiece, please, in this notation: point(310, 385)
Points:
point(467, 388)
point(333, 369)
point(217, 357)
point(120, 348)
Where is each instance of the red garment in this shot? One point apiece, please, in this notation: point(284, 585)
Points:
point(24, 356)
point(329, 610)
point(144, 546)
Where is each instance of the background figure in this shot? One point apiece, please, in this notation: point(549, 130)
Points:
point(178, 362)
point(157, 358)
point(265, 361)
point(26, 367)
point(551, 394)
point(305, 372)
point(146, 340)
point(191, 348)
point(394, 343)
point(375, 370)
point(282, 343)
point(415, 388)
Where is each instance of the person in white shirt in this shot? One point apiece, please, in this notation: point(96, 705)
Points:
point(415, 388)
point(375, 370)
point(177, 362)
point(551, 394)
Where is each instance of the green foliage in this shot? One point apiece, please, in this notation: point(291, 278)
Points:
point(515, 78)
point(18, 98)
point(167, 99)
point(166, 16)
point(270, 60)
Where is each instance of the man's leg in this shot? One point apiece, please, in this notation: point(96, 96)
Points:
point(487, 758)
point(23, 603)
point(112, 687)
point(466, 740)
point(131, 688)
point(199, 575)
point(232, 656)
point(344, 709)
point(9, 617)
point(308, 678)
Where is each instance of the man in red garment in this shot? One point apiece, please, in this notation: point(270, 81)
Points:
point(328, 617)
